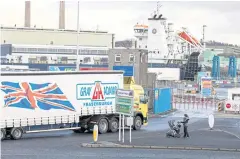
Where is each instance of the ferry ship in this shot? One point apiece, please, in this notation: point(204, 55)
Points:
point(167, 48)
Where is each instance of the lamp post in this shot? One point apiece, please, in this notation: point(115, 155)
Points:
point(204, 44)
point(78, 62)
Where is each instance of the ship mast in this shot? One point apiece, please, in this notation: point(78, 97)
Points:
point(158, 7)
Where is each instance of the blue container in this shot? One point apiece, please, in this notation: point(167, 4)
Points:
point(162, 100)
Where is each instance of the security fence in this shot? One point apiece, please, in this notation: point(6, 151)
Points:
point(185, 96)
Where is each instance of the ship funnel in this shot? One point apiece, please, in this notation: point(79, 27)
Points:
point(160, 16)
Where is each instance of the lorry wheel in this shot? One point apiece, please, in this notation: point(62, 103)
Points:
point(81, 130)
point(3, 134)
point(137, 123)
point(113, 125)
point(102, 126)
point(16, 133)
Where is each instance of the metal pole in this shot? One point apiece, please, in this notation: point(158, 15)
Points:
point(77, 63)
point(123, 125)
point(204, 44)
point(119, 138)
point(130, 137)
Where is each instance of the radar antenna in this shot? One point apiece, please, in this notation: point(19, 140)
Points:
point(158, 7)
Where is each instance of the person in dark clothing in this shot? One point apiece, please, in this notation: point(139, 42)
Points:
point(185, 125)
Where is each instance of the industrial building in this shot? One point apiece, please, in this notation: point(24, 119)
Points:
point(41, 36)
point(135, 64)
point(53, 54)
point(136, 58)
point(37, 36)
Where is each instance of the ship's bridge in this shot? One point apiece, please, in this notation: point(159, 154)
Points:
point(140, 30)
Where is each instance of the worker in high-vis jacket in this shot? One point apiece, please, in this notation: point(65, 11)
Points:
point(185, 125)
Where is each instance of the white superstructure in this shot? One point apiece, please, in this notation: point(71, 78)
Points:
point(141, 33)
point(57, 54)
point(172, 74)
point(165, 44)
point(157, 44)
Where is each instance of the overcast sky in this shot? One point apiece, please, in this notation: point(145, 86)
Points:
point(222, 18)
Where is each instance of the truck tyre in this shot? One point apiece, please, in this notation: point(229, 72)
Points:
point(3, 134)
point(81, 130)
point(16, 133)
point(102, 126)
point(113, 125)
point(137, 123)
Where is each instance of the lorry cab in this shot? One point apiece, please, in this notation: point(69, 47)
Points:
point(140, 100)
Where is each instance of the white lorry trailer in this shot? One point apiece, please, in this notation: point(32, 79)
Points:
point(51, 101)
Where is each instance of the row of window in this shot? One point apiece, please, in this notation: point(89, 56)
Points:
point(140, 30)
point(67, 51)
point(118, 58)
point(34, 61)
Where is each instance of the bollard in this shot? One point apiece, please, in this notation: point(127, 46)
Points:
point(211, 121)
point(219, 106)
point(95, 133)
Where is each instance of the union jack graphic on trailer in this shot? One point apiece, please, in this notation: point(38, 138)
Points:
point(26, 95)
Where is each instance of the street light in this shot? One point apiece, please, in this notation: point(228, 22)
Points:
point(204, 43)
point(78, 62)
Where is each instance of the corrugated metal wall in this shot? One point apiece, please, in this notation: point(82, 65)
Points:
point(40, 37)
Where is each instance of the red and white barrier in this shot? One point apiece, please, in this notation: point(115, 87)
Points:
point(192, 102)
point(232, 106)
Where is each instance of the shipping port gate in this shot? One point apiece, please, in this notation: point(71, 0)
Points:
point(175, 95)
point(195, 103)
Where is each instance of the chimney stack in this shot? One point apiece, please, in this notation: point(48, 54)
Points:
point(27, 22)
point(62, 15)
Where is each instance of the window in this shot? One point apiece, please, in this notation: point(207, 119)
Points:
point(143, 99)
point(140, 39)
point(101, 52)
point(146, 46)
point(94, 52)
point(131, 58)
point(117, 58)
